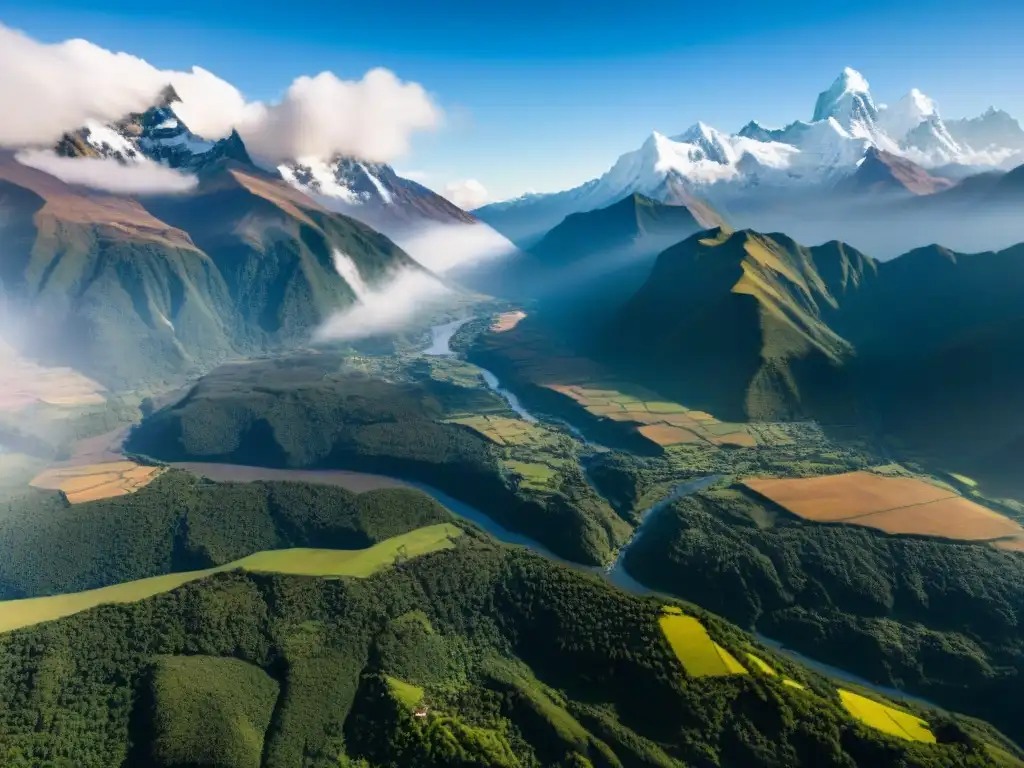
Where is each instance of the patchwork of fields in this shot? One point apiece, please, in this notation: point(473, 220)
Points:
point(359, 563)
point(92, 482)
point(586, 383)
point(897, 505)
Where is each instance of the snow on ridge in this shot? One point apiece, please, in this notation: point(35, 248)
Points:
point(381, 190)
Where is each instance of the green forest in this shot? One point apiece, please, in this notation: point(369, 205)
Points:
point(302, 413)
point(511, 661)
point(936, 618)
point(184, 523)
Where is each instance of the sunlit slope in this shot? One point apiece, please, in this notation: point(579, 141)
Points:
point(737, 321)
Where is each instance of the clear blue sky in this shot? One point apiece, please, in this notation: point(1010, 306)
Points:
point(545, 94)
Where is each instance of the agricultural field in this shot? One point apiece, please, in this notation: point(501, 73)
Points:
point(504, 430)
point(24, 383)
point(897, 505)
point(885, 718)
point(506, 321)
point(92, 482)
point(358, 563)
point(536, 476)
point(766, 669)
point(697, 652)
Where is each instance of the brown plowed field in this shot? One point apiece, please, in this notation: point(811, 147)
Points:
point(891, 504)
point(97, 481)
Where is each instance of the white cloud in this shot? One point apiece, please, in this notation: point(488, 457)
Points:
point(398, 304)
point(320, 116)
point(102, 173)
point(466, 193)
point(49, 89)
point(443, 247)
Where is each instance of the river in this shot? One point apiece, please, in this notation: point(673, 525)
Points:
point(615, 573)
point(440, 346)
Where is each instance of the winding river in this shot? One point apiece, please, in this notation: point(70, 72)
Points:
point(615, 573)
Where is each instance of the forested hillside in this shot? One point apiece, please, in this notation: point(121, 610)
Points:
point(511, 660)
point(937, 618)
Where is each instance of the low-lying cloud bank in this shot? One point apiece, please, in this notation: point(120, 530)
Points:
point(50, 89)
point(466, 193)
point(443, 247)
point(396, 304)
point(141, 178)
point(392, 307)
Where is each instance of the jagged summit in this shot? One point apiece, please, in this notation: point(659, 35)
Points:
point(849, 101)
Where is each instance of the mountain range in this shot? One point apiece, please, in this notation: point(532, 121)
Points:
point(242, 263)
point(757, 326)
point(370, 192)
point(750, 171)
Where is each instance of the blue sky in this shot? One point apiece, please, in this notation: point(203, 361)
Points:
point(544, 94)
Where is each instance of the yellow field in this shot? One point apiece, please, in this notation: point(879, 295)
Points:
point(763, 666)
point(697, 652)
point(665, 434)
point(892, 504)
point(15, 614)
point(97, 481)
point(886, 718)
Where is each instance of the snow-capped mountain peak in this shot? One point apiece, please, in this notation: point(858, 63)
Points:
point(907, 114)
point(849, 101)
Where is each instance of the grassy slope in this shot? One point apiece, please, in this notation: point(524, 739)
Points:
point(16, 614)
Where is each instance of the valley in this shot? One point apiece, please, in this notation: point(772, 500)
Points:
point(309, 459)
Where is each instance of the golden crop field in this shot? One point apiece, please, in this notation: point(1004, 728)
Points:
point(360, 563)
point(596, 390)
point(666, 434)
point(697, 652)
point(885, 718)
point(506, 321)
point(899, 505)
point(92, 482)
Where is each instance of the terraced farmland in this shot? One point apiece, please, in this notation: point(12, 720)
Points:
point(92, 482)
point(897, 505)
